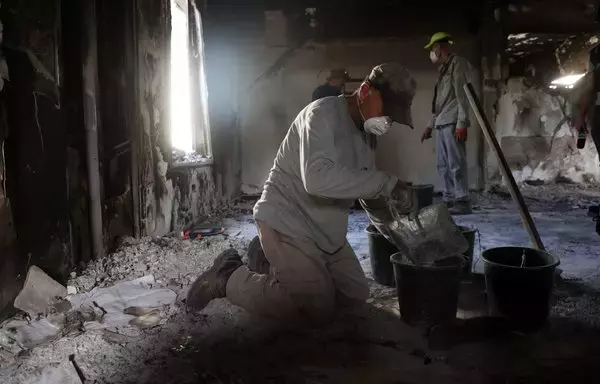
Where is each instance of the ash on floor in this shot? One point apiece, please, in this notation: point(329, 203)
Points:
point(224, 344)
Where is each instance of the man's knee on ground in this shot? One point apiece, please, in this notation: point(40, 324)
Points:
point(315, 304)
point(303, 303)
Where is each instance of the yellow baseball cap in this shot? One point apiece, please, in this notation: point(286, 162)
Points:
point(439, 37)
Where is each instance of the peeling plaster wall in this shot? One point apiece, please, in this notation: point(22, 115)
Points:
point(526, 121)
point(268, 107)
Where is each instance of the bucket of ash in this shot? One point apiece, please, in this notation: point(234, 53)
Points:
point(428, 293)
point(428, 269)
point(381, 249)
point(519, 283)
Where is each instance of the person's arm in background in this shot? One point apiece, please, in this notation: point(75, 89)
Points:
point(460, 77)
point(429, 129)
point(585, 100)
point(585, 103)
point(322, 176)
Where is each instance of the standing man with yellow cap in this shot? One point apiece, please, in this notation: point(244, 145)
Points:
point(450, 109)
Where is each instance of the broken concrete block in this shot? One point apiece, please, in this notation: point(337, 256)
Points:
point(64, 373)
point(71, 290)
point(39, 292)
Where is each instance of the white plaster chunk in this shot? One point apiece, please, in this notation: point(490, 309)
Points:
point(39, 292)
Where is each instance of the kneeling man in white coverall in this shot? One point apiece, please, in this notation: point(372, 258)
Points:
point(323, 165)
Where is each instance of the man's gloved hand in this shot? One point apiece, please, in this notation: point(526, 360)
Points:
point(461, 134)
point(400, 188)
point(426, 134)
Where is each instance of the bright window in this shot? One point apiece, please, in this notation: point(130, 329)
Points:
point(182, 135)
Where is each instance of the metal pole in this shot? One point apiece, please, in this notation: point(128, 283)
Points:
point(504, 168)
point(90, 111)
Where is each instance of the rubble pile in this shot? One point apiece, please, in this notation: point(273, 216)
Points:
point(135, 291)
point(174, 263)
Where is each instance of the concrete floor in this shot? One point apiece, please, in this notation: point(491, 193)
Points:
point(224, 344)
point(564, 227)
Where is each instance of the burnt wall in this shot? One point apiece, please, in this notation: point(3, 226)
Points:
point(194, 195)
point(72, 105)
point(117, 91)
point(10, 262)
point(35, 146)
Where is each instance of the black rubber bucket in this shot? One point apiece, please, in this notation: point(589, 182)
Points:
point(520, 294)
point(380, 250)
point(428, 295)
point(423, 194)
point(469, 234)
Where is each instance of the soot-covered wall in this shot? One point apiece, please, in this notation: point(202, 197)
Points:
point(34, 141)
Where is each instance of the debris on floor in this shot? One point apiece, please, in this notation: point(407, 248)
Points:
point(202, 230)
point(124, 302)
point(131, 303)
point(115, 302)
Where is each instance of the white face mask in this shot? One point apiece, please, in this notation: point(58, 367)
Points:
point(375, 125)
point(378, 125)
point(433, 57)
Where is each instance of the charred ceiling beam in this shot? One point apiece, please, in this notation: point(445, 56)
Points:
point(552, 16)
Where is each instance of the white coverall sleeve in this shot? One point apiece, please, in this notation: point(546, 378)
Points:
point(323, 177)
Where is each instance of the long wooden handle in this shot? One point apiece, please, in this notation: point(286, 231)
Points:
point(504, 168)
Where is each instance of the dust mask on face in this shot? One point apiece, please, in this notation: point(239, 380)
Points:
point(378, 125)
point(375, 125)
point(433, 57)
